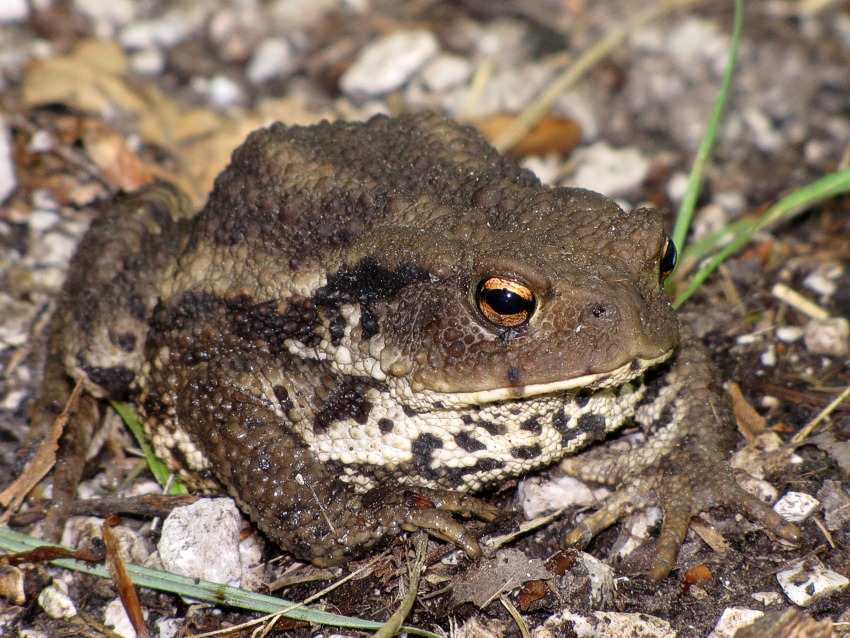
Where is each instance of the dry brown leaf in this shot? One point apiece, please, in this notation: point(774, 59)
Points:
point(41, 463)
point(750, 422)
point(118, 571)
point(550, 135)
point(489, 578)
point(120, 165)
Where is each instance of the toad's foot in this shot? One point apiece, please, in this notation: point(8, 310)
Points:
point(681, 467)
point(681, 496)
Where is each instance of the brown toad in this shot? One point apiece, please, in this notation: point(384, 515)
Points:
point(369, 320)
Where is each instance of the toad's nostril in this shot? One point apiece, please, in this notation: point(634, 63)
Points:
point(600, 311)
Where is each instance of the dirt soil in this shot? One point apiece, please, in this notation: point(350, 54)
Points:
point(96, 100)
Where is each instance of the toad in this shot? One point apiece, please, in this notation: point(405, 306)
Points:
point(370, 322)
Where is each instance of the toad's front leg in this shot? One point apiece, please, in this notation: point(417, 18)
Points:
point(683, 465)
point(223, 406)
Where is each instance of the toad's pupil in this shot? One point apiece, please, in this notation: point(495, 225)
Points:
point(507, 302)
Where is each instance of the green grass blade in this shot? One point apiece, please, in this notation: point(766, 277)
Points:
point(824, 188)
point(204, 591)
point(686, 209)
point(160, 472)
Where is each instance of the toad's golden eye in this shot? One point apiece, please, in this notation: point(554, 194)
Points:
point(668, 259)
point(504, 302)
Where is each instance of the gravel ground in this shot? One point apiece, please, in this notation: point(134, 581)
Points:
point(98, 95)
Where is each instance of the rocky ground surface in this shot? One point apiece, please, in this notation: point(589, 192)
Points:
point(97, 96)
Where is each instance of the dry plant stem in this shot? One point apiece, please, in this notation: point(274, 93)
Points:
point(514, 612)
point(798, 302)
point(393, 625)
point(801, 436)
point(494, 543)
point(535, 111)
point(273, 618)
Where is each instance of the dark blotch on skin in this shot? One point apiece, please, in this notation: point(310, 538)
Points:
point(454, 477)
point(526, 452)
point(468, 443)
point(346, 400)
point(513, 374)
point(282, 395)
point(422, 449)
point(532, 424)
point(592, 424)
point(385, 425)
point(491, 428)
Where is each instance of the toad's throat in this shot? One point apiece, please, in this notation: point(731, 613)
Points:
point(593, 381)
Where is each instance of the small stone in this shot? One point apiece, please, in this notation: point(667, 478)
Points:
point(789, 334)
point(166, 31)
point(677, 185)
point(604, 624)
point(808, 581)
point(836, 504)
point(766, 598)
point(820, 284)
point(115, 617)
point(8, 179)
point(613, 171)
point(55, 602)
point(537, 495)
point(445, 72)
point(224, 92)
point(273, 58)
point(732, 619)
point(107, 16)
point(795, 507)
point(387, 63)
point(829, 336)
point(169, 627)
point(149, 61)
point(201, 540)
point(14, 11)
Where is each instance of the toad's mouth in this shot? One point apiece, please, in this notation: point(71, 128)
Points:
point(593, 381)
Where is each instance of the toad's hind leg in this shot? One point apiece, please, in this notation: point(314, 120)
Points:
point(96, 334)
point(682, 467)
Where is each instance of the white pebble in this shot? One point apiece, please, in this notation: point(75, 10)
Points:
point(107, 15)
point(538, 496)
point(148, 61)
point(604, 624)
point(829, 336)
point(8, 179)
point(201, 540)
point(273, 59)
point(14, 11)
point(224, 92)
point(820, 284)
point(165, 31)
point(732, 619)
point(55, 602)
point(115, 617)
point(677, 186)
point(766, 598)
point(789, 334)
point(613, 171)
point(445, 72)
point(169, 627)
point(796, 507)
point(808, 581)
point(388, 63)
